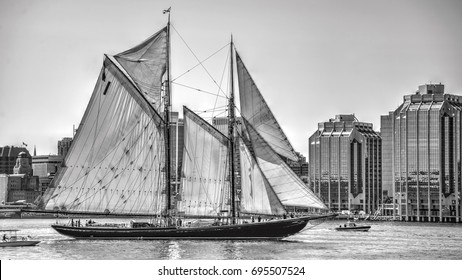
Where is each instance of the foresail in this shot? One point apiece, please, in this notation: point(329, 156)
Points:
point(259, 115)
point(288, 187)
point(204, 182)
point(257, 196)
point(146, 64)
point(116, 162)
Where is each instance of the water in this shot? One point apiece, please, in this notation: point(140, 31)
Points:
point(385, 240)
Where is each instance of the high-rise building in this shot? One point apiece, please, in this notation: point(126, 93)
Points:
point(422, 156)
point(345, 164)
point(45, 168)
point(8, 156)
point(176, 146)
point(64, 145)
point(300, 167)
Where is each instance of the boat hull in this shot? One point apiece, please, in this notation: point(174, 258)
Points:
point(275, 229)
point(19, 243)
point(357, 228)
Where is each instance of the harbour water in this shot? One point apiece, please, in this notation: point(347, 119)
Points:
point(385, 241)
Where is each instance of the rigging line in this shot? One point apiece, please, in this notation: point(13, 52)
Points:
point(186, 72)
point(222, 77)
point(205, 69)
point(210, 119)
point(197, 89)
point(211, 109)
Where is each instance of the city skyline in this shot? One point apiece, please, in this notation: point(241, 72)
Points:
point(333, 58)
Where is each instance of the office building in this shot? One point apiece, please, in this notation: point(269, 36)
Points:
point(45, 168)
point(21, 185)
point(176, 146)
point(422, 156)
point(345, 165)
point(8, 156)
point(64, 145)
point(300, 167)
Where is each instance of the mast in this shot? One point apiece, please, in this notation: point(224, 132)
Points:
point(167, 121)
point(231, 121)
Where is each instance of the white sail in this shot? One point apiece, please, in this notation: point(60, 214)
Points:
point(204, 182)
point(288, 187)
point(257, 196)
point(259, 115)
point(117, 160)
point(146, 63)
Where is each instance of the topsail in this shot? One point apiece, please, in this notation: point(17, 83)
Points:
point(146, 64)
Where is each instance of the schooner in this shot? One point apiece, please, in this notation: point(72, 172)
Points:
point(119, 162)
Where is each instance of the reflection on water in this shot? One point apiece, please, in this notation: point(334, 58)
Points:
point(385, 240)
point(232, 251)
point(169, 250)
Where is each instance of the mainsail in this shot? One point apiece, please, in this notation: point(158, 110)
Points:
point(259, 115)
point(117, 160)
point(204, 182)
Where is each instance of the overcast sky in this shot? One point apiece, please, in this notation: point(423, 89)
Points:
point(311, 59)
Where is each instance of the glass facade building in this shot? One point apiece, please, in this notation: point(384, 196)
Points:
point(345, 164)
point(422, 155)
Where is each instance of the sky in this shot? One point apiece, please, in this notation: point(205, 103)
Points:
point(310, 59)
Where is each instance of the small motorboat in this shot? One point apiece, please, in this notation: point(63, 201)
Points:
point(13, 240)
point(350, 226)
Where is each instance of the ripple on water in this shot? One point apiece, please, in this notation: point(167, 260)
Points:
point(385, 240)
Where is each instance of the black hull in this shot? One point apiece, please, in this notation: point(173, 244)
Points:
point(358, 228)
point(275, 229)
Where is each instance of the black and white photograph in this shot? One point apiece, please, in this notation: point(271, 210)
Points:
point(166, 139)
